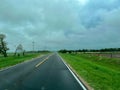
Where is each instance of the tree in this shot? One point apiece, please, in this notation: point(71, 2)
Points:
point(3, 45)
point(19, 50)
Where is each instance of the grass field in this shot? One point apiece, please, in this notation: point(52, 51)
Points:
point(101, 73)
point(12, 60)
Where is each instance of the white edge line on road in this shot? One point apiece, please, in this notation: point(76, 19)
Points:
point(84, 88)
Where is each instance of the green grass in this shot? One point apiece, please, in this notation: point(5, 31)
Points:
point(101, 73)
point(12, 60)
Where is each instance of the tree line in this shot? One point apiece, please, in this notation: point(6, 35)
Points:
point(90, 50)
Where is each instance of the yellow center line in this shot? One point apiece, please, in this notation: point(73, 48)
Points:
point(43, 61)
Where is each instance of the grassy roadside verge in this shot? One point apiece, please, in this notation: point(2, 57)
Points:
point(101, 73)
point(12, 60)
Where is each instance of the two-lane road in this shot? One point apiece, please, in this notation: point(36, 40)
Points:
point(45, 73)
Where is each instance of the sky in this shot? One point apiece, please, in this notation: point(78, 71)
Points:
point(61, 24)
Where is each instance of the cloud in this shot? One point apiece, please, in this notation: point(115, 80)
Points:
point(58, 24)
point(106, 34)
point(92, 11)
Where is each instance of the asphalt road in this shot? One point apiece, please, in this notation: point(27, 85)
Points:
point(45, 73)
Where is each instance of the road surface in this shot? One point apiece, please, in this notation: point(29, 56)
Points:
point(45, 73)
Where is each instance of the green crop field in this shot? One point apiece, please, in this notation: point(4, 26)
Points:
point(12, 60)
point(101, 73)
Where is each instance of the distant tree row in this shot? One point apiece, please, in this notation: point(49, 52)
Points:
point(40, 51)
point(90, 50)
